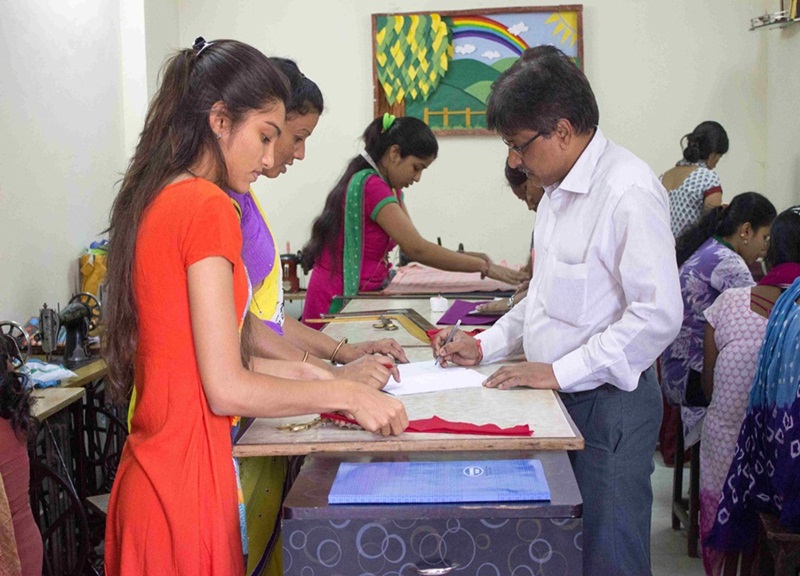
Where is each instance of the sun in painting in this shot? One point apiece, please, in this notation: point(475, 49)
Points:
point(566, 24)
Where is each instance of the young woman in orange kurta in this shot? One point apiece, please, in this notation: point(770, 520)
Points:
point(177, 292)
point(177, 476)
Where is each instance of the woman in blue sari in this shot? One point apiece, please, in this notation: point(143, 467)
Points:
point(764, 474)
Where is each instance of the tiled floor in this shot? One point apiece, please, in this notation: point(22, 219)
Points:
point(668, 546)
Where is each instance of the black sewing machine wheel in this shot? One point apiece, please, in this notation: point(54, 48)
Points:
point(17, 334)
point(92, 303)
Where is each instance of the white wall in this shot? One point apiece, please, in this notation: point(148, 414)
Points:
point(75, 87)
point(658, 69)
point(62, 143)
point(783, 126)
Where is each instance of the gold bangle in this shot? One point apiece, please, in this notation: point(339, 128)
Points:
point(339, 345)
point(305, 357)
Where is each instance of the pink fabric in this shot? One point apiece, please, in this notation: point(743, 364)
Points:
point(738, 333)
point(781, 275)
point(327, 279)
point(436, 425)
point(15, 470)
point(416, 278)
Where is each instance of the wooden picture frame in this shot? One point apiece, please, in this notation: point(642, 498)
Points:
point(439, 66)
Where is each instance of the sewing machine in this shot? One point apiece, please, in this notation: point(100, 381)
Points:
point(78, 318)
point(21, 339)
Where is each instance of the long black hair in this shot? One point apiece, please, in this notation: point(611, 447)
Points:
point(176, 134)
point(306, 96)
point(707, 138)
point(723, 221)
point(784, 238)
point(539, 89)
point(412, 136)
point(15, 395)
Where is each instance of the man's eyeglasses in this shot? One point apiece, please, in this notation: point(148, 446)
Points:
point(521, 148)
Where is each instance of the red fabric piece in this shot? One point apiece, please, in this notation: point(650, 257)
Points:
point(436, 425)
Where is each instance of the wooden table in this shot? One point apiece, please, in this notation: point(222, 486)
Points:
point(542, 410)
point(307, 512)
point(87, 374)
point(67, 462)
point(58, 477)
point(51, 400)
point(89, 423)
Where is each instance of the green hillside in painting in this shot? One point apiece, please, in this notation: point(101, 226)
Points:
point(465, 86)
point(504, 64)
point(464, 73)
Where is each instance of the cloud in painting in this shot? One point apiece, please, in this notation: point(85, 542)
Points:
point(518, 28)
point(491, 55)
point(465, 49)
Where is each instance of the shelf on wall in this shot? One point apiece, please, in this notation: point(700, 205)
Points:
point(778, 19)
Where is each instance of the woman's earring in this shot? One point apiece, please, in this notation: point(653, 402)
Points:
point(218, 135)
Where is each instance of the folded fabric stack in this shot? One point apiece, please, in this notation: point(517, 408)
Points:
point(416, 278)
point(44, 375)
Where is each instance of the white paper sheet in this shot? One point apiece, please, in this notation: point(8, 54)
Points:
point(421, 377)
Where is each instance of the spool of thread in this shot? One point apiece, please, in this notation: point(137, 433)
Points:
point(439, 304)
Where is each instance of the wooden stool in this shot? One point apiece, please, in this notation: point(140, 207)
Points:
point(683, 511)
point(778, 549)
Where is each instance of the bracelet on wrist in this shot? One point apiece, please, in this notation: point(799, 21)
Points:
point(511, 302)
point(341, 343)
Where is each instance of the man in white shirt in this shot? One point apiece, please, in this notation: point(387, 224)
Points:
point(603, 303)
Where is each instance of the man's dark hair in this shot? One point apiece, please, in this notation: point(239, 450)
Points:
point(538, 90)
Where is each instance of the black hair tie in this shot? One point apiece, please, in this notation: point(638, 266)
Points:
point(200, 44)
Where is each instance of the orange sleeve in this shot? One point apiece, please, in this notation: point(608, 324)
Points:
point(213, 230)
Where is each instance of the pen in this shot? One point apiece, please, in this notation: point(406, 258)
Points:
point(447, 341)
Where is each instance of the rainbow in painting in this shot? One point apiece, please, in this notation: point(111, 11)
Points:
point(488, 29)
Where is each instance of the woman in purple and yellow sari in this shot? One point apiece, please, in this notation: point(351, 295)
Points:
point(271, 334)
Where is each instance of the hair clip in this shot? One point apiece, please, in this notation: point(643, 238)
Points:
point(200, 44)
point(388, 120)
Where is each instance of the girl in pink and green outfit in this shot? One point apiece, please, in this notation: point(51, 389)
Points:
point(365, 218)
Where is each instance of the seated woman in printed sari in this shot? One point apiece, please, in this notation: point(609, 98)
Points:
point(737, 322)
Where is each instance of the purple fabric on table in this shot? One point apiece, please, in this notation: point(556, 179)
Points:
point(460, 309)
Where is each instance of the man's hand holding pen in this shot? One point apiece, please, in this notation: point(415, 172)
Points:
point(462, 349)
